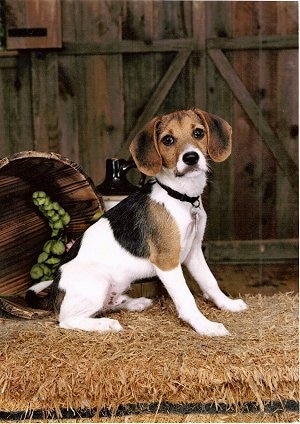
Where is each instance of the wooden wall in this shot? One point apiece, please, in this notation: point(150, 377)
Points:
point(122, 62)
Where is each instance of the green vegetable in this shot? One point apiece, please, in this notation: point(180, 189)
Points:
point(66, 219)
point(42, 257)
point(58, 248)
point(58, 219)
point(53, 261)
point(47, 246)
point(36, 272)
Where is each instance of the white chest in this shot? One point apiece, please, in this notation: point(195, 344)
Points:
point(191, 225)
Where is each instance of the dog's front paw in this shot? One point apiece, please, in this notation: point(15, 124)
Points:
point(208, 328)
point(213, 329)
point(234, 305)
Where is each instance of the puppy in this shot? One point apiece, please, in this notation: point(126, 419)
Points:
point(151, 232)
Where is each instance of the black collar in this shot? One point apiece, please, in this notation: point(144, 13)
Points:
point(182, 197)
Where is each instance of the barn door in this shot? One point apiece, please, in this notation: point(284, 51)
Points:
point(270, 138)
point(252, 80)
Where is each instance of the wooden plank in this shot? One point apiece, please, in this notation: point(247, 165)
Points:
point(141, 72)
point(252, 251)
point(220, 223)
point(16, 112)
point(157, 98)
point(8, 59)
point(176, 23)
point(8, 53)
point(275, 145)
point(126, 46)
point(8, 62)
point(254, 42)
point(69, 89)
point(287, 117)
point(44, 72)
point(199, 58)
point(254, 166)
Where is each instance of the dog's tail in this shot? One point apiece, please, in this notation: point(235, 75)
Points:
point(39, 302)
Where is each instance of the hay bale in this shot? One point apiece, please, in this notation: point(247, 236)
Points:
point(155, 363)
point(23, 229)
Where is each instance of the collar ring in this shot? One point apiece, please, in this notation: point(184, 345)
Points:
point(196, 204)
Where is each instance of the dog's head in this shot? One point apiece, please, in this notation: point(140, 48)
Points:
point(180, 141)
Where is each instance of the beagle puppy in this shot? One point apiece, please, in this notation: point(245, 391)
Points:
point(150, 233)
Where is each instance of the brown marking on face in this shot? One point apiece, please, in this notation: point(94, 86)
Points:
point(164, 238)
point(181, 127)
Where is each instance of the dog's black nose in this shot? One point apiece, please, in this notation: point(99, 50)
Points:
point(190, 158)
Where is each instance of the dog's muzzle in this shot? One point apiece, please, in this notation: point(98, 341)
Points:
point(190, 158)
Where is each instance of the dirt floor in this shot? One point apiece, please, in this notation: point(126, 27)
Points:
point(238, 279)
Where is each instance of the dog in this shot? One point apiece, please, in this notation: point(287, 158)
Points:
point(150, 233)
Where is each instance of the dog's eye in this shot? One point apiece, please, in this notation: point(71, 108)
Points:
point(198, 133)
point(168, 140)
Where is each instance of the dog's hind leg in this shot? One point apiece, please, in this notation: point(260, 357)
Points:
point(78, 314)
point(82, 300)
point(101, 325)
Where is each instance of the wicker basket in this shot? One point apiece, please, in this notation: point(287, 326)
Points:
point(23, 230)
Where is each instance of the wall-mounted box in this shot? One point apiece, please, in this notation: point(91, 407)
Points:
point(33, 24)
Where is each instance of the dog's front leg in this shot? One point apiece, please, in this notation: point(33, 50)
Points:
point(199, 269)
point(184, 301)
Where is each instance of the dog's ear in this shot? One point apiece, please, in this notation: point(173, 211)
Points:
point(144, 149)
point(219, 135)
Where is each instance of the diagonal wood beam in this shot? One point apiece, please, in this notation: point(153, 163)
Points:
point(274, 144)
point(156, 98)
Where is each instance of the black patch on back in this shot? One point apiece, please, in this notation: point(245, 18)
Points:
point(129, 222)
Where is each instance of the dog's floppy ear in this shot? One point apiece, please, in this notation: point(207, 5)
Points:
point(144, 149)
point(219, 135)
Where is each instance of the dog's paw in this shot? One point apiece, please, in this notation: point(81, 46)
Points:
point(91, 324)
point(107, 324)
point(212, 329)
point(234, 305)
point(138, 305)
point(205, 327)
